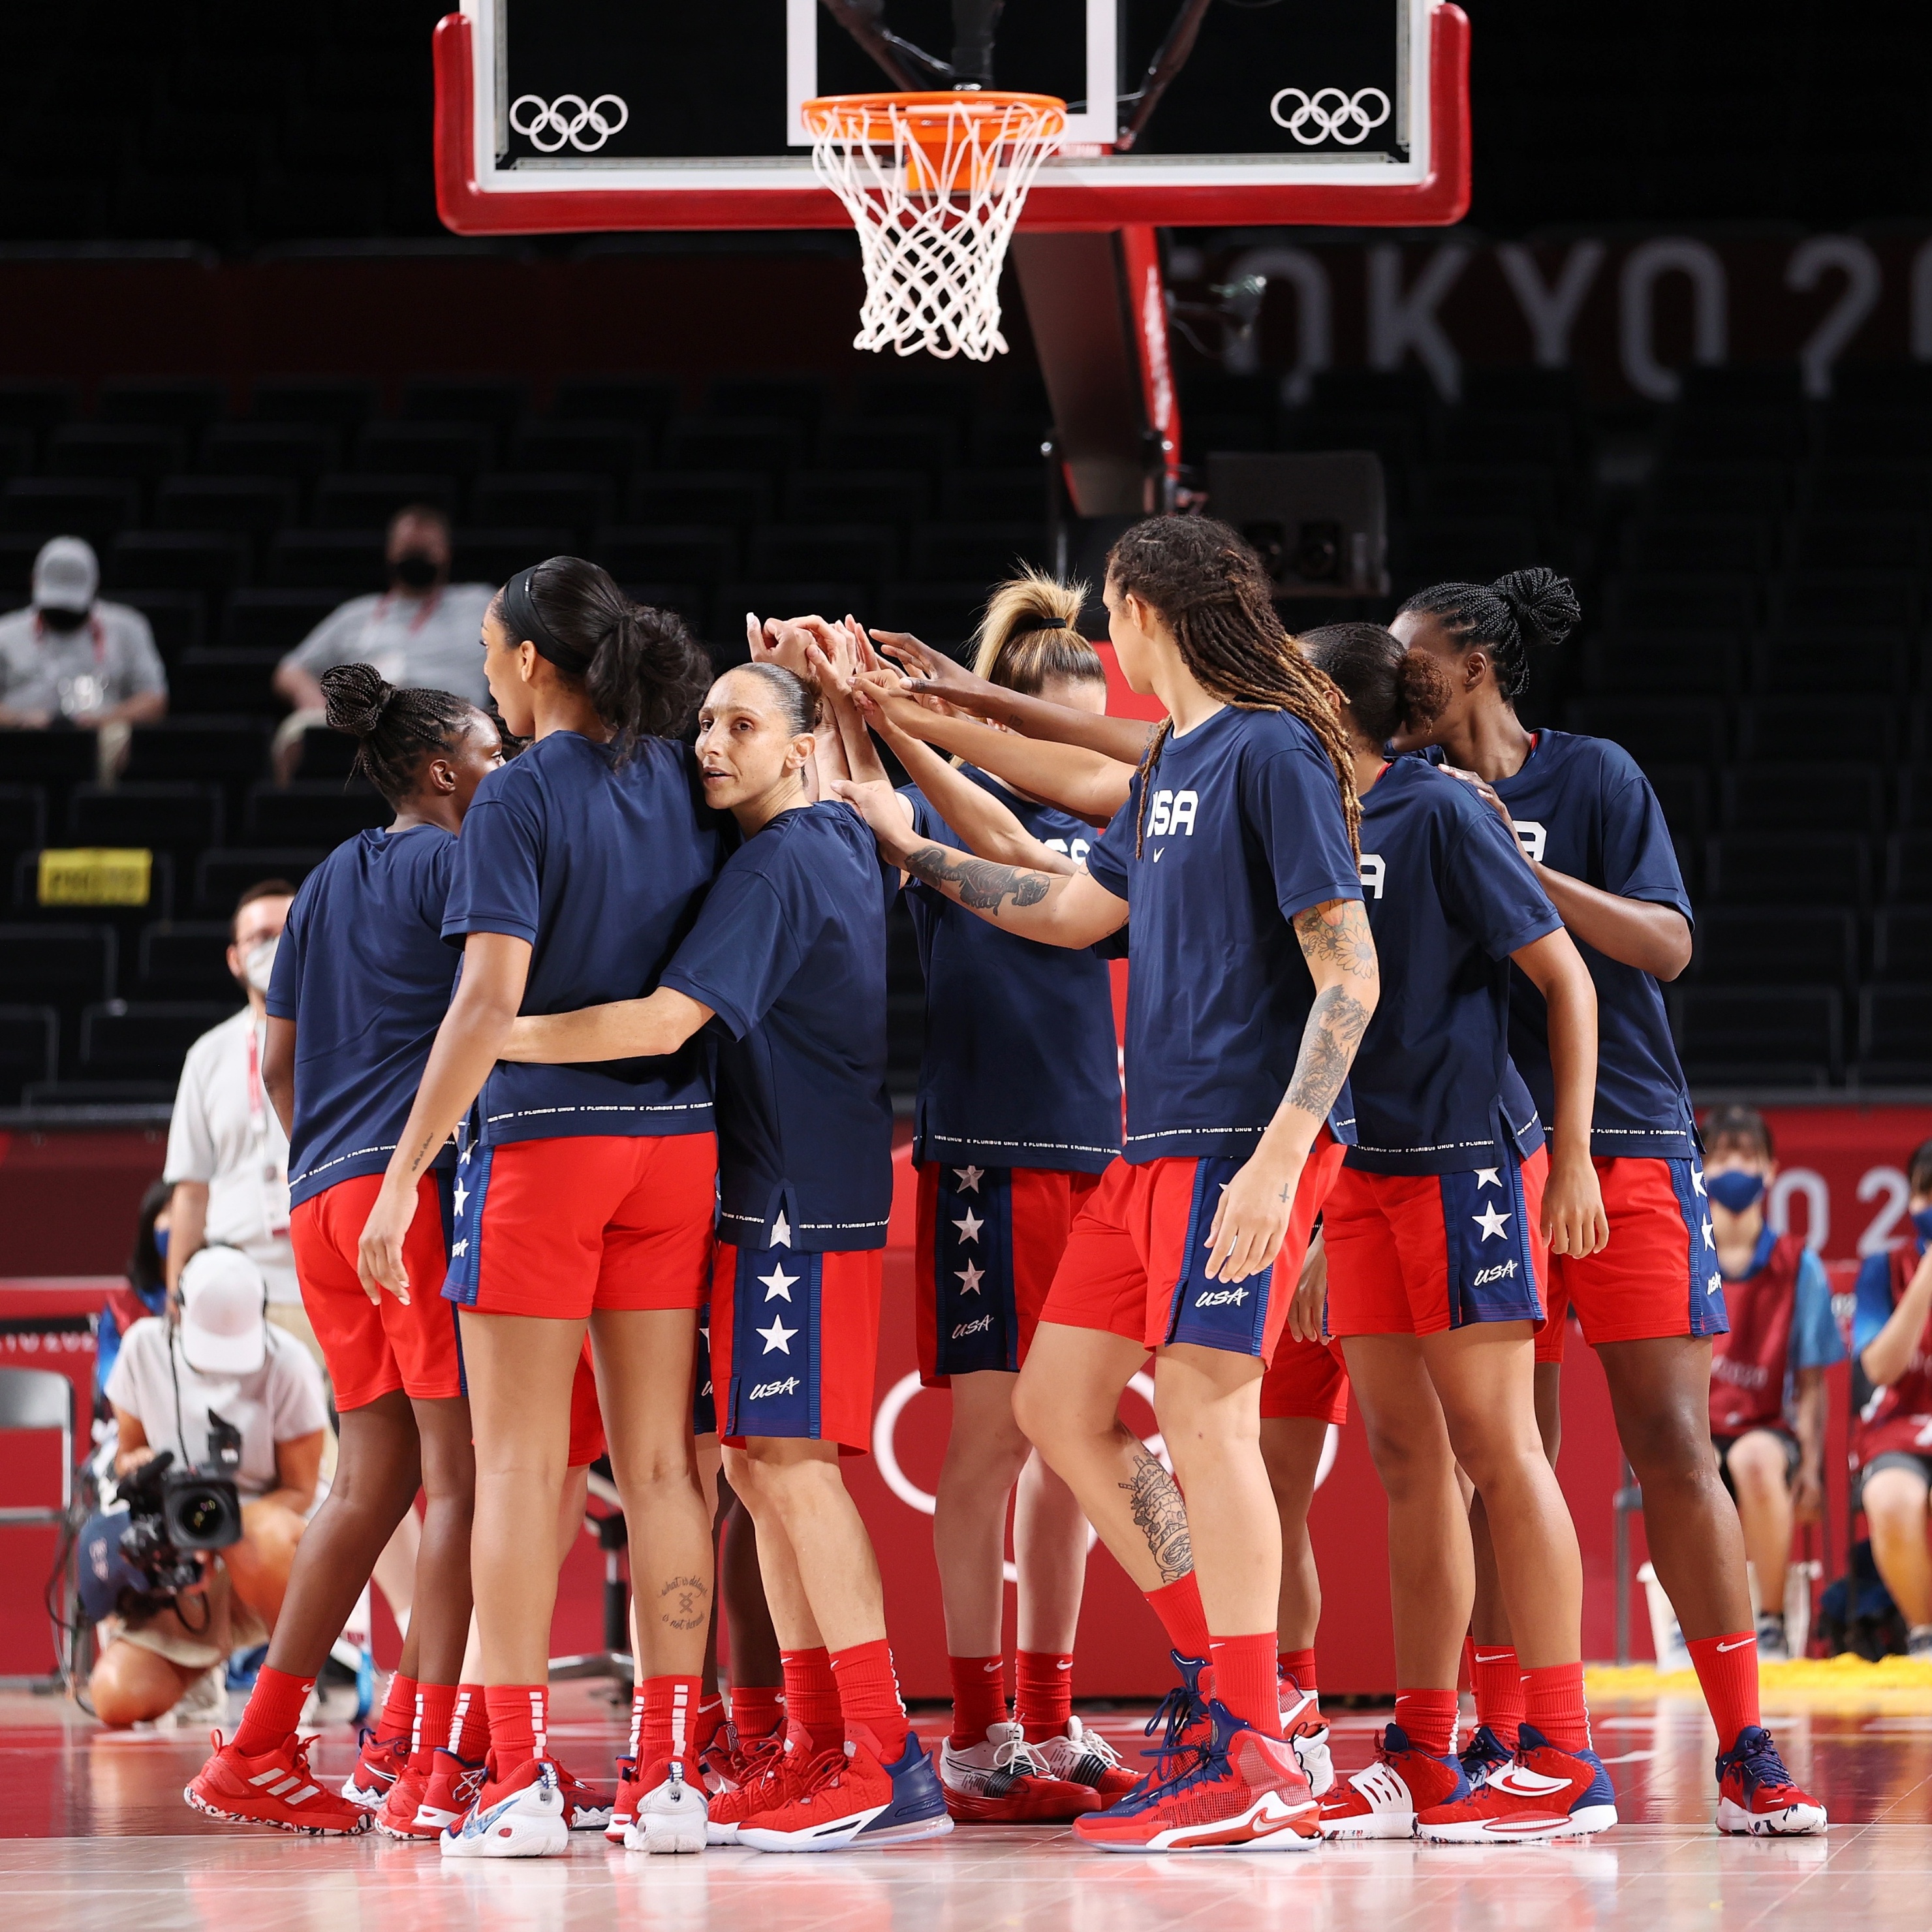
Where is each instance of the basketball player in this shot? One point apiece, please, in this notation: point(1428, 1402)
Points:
point(1592, 832)
point(588, 1201)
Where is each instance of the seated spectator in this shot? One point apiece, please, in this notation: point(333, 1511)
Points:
point(146, 1293)
point(1892, 1444)
point(1767, 1374)
point(70, 658)
point(214, 1353)
point(423, 631)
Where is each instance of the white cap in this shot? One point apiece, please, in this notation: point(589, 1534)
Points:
point(224, 1307)
point(66, 575)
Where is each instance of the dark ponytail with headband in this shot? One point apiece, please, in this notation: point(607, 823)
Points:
point(640, 668)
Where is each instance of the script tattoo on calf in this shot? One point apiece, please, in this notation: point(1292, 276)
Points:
point(1155, 1505)
point(685, 1602)
point(982, 884)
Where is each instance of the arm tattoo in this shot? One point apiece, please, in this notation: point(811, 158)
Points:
point(1337, 934)
point(982, 884)
point(1159, 1514)
point(1336, 1024)
point(685, 1603)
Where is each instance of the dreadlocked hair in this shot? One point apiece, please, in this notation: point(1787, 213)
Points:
point(1527, 609)
point(1030, 637)
point(1213, 594)
point(396, 727)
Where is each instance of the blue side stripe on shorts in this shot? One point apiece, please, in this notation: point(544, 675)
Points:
point(1708, 1314)
point(1230, 1315)
point(775, 1332)
point(1487, 1240)
point(471, 1184)
point(975, 1318)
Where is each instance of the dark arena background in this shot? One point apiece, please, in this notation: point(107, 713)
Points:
point(1643, 294)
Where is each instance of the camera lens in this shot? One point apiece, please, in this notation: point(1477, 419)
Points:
point(200, 1512)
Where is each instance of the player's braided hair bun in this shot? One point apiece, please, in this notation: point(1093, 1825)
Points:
point(1526, 610)
point(1212, 592)
point(395, 728)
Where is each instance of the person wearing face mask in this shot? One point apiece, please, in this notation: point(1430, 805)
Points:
point(1892, 1382)
point(70, 658)
point(420, 633)
point(228, 1156)
point(1768, 1396)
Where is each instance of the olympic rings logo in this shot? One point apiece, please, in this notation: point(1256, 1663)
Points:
point(1331, 114)
point(548, 125)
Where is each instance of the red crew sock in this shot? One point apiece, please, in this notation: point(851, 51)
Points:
point(812, 1696)
point(469, 1723)
point(756, 1709)
point(274, 1709)
point(1726, 1668)
point(1178, 1606)
point(1296, 1668)
point(435, 1703)
point(868, 1694)
point(1046, 1693)
point(519, 1724)
point(668, 1725)
point(1496, 1677)
point(1553, 1703)
point(710, 1720)
point(399, 1709)
point(979, 1697)
point(637, 1715)
point(1429, 1717)
point(1244, 1679)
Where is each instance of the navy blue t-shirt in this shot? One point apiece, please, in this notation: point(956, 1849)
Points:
point(601, 866)
point(1448, 901)
point(1244, 830)
point(363, 972)
point(1020, 1068)
point(1582, 806)
point(789, 952)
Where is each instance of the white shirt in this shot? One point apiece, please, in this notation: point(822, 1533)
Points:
point(282, 1401)
point(433, 643)
point(111, 658)
point(226, 1134)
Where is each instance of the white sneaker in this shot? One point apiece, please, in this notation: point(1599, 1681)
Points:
point(1080, 1756)
point(1310, 1745)
point(527, 1822)
point(205, 1698)
point(672, 1814)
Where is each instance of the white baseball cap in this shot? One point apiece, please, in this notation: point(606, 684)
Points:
point(224, 1308)
point(67, 574)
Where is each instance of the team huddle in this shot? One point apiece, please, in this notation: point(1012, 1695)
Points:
point(583, 1063)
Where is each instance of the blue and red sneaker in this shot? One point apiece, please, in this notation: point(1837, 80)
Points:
point(1483, 1753)
point(855, 1798)
point(1756, 1796)
point(1542, 1793)
point(1181, 1723)
point(1239, 1792)
point(1383, 1801)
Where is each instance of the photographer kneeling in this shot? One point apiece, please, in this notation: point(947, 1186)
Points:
point(221, 1409)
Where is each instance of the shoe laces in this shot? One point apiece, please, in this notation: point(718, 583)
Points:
point(1016, 1756)
point(1758, 1763)
point(823, 1771)
point(1090, 1746)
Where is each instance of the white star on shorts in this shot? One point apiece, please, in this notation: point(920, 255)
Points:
point(1489, 1177)
point(1697, 1179)
point(778, 1284)
point(971, 1278)
point(1710, 1240)
point(969, 1229)
point(781, 1232)
point(1490, 1222)
point(778, 1337)
point(969, 1178)
point(462, 1195)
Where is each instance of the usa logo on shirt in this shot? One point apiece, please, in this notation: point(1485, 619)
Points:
point(1172, 811)
point(1373, 872)
point(1530, 836)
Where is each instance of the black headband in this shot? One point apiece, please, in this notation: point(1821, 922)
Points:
point(522, 621)
point(1032, 626)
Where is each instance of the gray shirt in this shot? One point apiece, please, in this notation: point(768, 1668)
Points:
point(110, 659)
point(430, 643)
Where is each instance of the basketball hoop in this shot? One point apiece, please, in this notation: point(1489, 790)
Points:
point(933, 183)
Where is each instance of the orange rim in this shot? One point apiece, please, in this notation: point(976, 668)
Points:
point(926, 117)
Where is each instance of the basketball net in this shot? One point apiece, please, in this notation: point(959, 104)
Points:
point(935, 184)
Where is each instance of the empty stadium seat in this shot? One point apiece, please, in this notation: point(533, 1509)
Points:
point(188, 961)
point(93, 507)
point(610, 450)
point(1797, 729)
point(1789, 869)
point(666, 553)
point(645, 402)
point(23, 818)
point(54, 759)
point(29, 1049)
point(765, 444)
point(1655, 731)
point(576, 501)
point(258, 619)
point(66, 966)
point(296, 452)
point(988, 496)
point(1902, 944)
point(212, 562)
point(249, 506)
point(1825, 664)
point(1908, 868)
point(928, 444)
point(1788, 1036)
point(347, 562)
point(182, 818)
point(896, 496)
point(1802, 798)
point(234, 681)
point(1700, 542)
point(1895, 1036)
point(312, 813)
point(964, 553)
point(360, 503)
point(456, 449)
point(491, 403)
point(144, 1041)
point(222, 874)
point(188, 403)
point(864, 552)
point(1761, 489)
point(1887, 600)
point(203, 749)
point(144, 452)
point(1642, 664)
point(1756, 946)
point(729, 500)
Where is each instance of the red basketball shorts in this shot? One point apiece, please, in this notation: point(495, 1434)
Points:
point(558, 1228)
point(795, 1344)
point(1415, 1254)
point(1136, 1261)
point(587, 1417)
point(1658, 1276)
point(1306, 1380)
point(989, 1241)
point(374, 1348)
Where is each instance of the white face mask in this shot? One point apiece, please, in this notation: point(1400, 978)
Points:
point(258, 963)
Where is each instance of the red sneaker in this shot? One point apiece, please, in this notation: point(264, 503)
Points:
point(1381, 1801)
point(1757, 1797)
point(380, 1765)
point(1002, 1781)
point(1242, 1793)
point(1545, 1793)
point(1081, 1757)
point(779, 1777)
point(276, 1788)
point(624, 1802)
point(397, 1815)
point(451, 1789)
point(855, 1797)
point(731, 1761)
point(586, 1808)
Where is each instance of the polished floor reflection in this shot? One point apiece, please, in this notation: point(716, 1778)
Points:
point(98, 1840)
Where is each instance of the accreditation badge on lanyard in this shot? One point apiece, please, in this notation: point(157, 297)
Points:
point(274, 1173)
